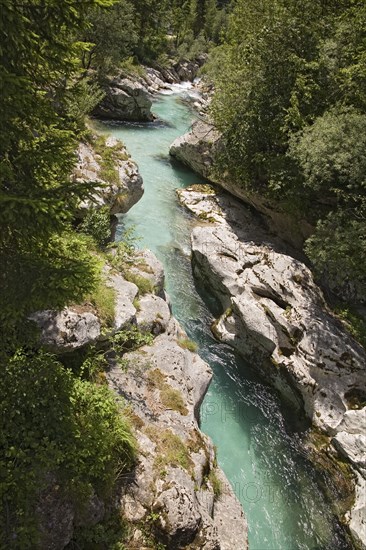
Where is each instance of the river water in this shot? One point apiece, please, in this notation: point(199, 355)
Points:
point(276, 486)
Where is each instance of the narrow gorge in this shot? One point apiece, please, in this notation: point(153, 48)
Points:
point(183, 275)
point(238, 422)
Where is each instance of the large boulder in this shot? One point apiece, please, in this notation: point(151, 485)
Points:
point(147, 265)
point(120, 194)
point(67, 330)
point(197, 148)
point(125, 99)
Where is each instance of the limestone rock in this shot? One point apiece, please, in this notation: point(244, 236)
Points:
point(276, 317)
point(125, 99)
point(228, 516)
point(153, 315)
point(197, 148)
point(92, 512)
point(169, 491)
point(357, 516)
point(67, 330)
point(55, 515)
point(148, 266)
point(179, 516)
point(126, 292)
point(118, 197)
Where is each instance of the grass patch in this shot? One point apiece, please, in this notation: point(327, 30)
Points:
point(170, 397)
point(144, 285)
point(202, 188)
point(143, 266)
point(355, 324)
point(110, 156)
point(186, 343)
point(103, 299)
point(136, 304)
point(171, 449)
point(216, 483)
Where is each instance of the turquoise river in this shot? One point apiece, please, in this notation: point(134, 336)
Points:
point(260, 456)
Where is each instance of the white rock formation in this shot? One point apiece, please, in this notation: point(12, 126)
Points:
point(276, 317)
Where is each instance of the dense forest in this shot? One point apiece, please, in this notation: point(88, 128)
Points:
point(290, 101)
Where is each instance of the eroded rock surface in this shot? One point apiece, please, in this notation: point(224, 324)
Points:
point(67, 330)
point(197, 149)
point(171, 495)
point(172, 491)
point(119, 196)
point(125, 99)
point(276, 317)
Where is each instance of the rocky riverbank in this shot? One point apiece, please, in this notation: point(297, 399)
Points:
point(276, 317)
point(129, 95)
point(107, 162)
point(177, 496)
point(197, 149)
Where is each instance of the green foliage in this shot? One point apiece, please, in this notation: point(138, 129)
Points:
point(331, 153)
point(170, 397)
point(130, 339)
point(186, 343)
point(338, 252)
point(171, 448)
point(85, 96)
point(131, 66)
point(108, 535)
point(44, 274)
point(103, 299)
point(97, 224)
point(144, 285)
point(216, 483)
point(113, 37)
point(354, 322)
point(43, 265)
point(149, 31)
point(173, 399)
point(55, 426)
point(60, 435)
point(290, 102)
point(109, 155)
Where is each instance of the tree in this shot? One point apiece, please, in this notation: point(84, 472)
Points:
point(57, 429)
point(290, 102)
point(42, 263)
point(113, 36)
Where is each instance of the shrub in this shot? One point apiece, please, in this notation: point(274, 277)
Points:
point(110, 156)
point(97, 224)
point(55, 424)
